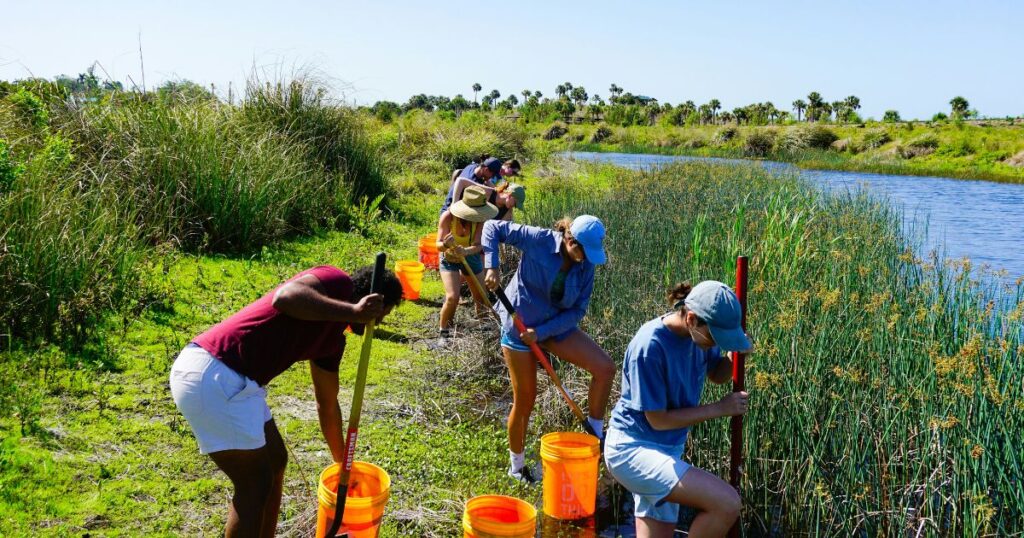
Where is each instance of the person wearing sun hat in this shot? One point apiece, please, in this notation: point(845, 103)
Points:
point(550, 292)
point(662, 379)
point(458, 233)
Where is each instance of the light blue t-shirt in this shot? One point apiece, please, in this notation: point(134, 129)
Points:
point(661, 371)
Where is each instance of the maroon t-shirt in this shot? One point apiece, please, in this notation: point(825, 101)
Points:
point(260, 342)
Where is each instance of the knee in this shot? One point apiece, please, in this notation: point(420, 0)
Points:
point(604, 370)
point(729, 508)
point(451, 298)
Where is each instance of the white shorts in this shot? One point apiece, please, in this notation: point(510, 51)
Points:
point(227, 411)
point(649, 471)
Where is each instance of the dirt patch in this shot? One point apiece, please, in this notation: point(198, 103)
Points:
point(1017, 160)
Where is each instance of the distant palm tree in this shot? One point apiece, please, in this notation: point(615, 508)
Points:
point(495, 94)
point(814, 105)
point(715, 105)
point(799, 106)
point(616, 91)
point(839, 108)
point(526, 96)
point(771, 111)
point(579, 96)
point(560, 90)
point(853, 103)
point(538, 95)
point(476, 88)
point(959, 106)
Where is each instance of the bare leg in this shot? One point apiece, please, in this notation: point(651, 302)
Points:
point(452, 280)
point(257, 476)
point(581, 350)
point(522, 369)
point(717, 503)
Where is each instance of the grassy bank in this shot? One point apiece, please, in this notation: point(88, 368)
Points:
point(963, 151)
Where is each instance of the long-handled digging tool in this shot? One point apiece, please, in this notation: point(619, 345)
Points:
point(357, 407)
point(543, 358)
point(738, 385)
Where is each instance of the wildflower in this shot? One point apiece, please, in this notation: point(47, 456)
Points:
point(977, 451)
point(766, 380)
point(785, 319)
point(863, 270)
point(944, 423)
point(829, 299)
point(876, 302)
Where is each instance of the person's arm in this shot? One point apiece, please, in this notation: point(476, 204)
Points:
point(325, 389)
point(444, 229)
point(569, 318)
point(734, 403)
point(305, 298)
point(721, 373)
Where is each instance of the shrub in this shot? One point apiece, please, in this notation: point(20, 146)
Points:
point(30, 108)
point(556, 131)
point(821, 137)
point(601, 134)
point(726, 134)
point(760, 143)
point(876, 138)
point(794, 139)
point(957, 148)
point(926, 141)
point(9, 169)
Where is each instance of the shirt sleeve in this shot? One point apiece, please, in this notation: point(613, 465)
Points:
point(335, 281)
point(569, 318)
point(647, 386)
point(497, 232)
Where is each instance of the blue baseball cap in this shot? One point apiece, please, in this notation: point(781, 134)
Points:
point(589, 232)
point(494, 165)
point(717, 305)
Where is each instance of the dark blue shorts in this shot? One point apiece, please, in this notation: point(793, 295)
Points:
point(476, 263)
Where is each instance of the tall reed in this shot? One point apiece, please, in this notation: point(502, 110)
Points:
point(886, 389)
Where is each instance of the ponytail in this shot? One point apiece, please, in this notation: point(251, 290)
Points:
point(677, 298)
point(563, 226)
point(677, 295)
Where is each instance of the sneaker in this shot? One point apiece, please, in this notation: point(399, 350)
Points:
point(444, 337)
point(526, 475)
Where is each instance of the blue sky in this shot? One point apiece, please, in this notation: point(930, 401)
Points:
point(912, 56)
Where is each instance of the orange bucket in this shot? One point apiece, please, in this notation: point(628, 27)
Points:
point(369, 488)
point(428, 250)
point(489, 516)
point(570, 474)
point(410, 274)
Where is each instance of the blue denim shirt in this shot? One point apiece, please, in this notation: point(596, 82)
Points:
point(529, 291)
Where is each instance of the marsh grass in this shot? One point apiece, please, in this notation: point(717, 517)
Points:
point(885, 388)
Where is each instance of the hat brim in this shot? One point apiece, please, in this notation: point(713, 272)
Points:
point(595, 253)
point(474, 214)
point(730, 339)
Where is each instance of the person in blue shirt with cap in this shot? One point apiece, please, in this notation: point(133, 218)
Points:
point(486, 173)
point(550, 291)
point(662, 379)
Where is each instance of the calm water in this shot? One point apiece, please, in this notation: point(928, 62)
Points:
point(981, 220)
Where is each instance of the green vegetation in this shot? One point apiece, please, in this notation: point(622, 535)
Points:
point(885, 389)
point(958, 149)
point(885, 392)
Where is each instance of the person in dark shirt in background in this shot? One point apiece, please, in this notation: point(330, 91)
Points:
point(218, 380)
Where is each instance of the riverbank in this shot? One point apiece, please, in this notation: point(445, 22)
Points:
point(965, 151)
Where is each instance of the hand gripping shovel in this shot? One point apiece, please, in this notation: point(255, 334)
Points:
point(357, 407)
point(543, 358)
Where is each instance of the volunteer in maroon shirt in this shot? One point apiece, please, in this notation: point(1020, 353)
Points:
point(218, 380)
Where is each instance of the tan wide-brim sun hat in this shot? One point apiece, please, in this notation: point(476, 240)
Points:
point(474, 206)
